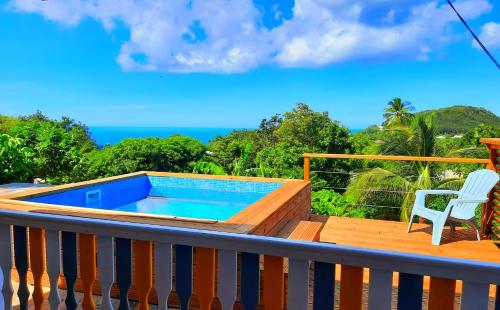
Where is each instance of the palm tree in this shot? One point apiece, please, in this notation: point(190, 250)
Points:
point(382, 186)
point(398, 112)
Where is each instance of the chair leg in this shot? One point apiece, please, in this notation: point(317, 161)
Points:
point(409, 224)
point(473, 224)
point(437, 231)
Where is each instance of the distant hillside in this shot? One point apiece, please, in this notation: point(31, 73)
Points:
point(459, 119)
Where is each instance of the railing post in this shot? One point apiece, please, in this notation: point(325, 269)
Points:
point(307, 168)
point(491, 209)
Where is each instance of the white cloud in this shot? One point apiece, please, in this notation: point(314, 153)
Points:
point(490, 36)
point(231, 36)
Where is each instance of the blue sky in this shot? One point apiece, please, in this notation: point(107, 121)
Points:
point(231, 63)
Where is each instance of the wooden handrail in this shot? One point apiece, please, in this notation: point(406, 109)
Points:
point(400, 158)
point(491, 141)
point(493, 145)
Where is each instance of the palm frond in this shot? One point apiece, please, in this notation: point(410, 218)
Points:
point(377, 186)
point(455, 184)
point(203, 167)
point(423, 181)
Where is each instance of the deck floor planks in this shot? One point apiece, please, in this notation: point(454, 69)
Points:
point(392, 236)
point(385, 235)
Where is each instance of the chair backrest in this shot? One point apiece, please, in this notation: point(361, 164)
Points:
point(477, 186)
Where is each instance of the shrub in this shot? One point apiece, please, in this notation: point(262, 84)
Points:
point(328, 202)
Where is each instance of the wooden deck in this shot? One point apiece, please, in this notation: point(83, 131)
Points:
point(392, 236)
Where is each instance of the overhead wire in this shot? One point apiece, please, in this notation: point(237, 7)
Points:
point(474, 35)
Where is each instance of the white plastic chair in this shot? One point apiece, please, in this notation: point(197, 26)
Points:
point(459, 210)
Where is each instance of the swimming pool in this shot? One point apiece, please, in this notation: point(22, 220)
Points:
point(223, 203)
point(168, 196)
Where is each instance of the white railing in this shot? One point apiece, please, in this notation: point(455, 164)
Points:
point(476, 276)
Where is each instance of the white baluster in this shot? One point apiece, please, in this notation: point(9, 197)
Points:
point(6, 266)
point(226, 282)
point(380, 292)
point(475, 296)
point(298, 284)
point(53, 254)
point(106, 263)
point(163, 273)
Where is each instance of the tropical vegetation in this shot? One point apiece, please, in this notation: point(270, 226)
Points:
point(35, 147)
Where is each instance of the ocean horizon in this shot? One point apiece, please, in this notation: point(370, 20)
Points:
point(104, 135)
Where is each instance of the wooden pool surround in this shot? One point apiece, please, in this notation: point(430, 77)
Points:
point(267, 216)
point(264, 217)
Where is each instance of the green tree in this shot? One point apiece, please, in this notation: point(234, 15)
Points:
point(226, 150)
point(315, 131)
point(175, 154)
point(276, 148)
point(58, 146)
point(471, 137)
point(307, 131)
point(398, 112)
point(15, 160)
point(7, 122)
point(380, 186)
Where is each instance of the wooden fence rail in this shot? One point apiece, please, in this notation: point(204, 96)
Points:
point(490, 217)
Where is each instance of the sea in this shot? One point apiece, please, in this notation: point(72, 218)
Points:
point(104, 135)
point(111, 135)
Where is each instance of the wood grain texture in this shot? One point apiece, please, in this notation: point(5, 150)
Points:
point(492, 141)
point(37, 263)
point(306, 231)
point(269, 214)
point(490, 217)
point(351, 288)
point(87, 268)
point(400, 158)
point(217, 177)
point(205, 277)
point(392, 236)
point(143, 271)
point(441, 294)
point(497, 300)
point(273, 283)
point(307, 168)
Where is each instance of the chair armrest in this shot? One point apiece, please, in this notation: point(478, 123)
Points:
point(421, 193)
point(436, 192)
point(470, 200)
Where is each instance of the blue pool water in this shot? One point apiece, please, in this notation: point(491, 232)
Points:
point(172, 196)
point(201, 209)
